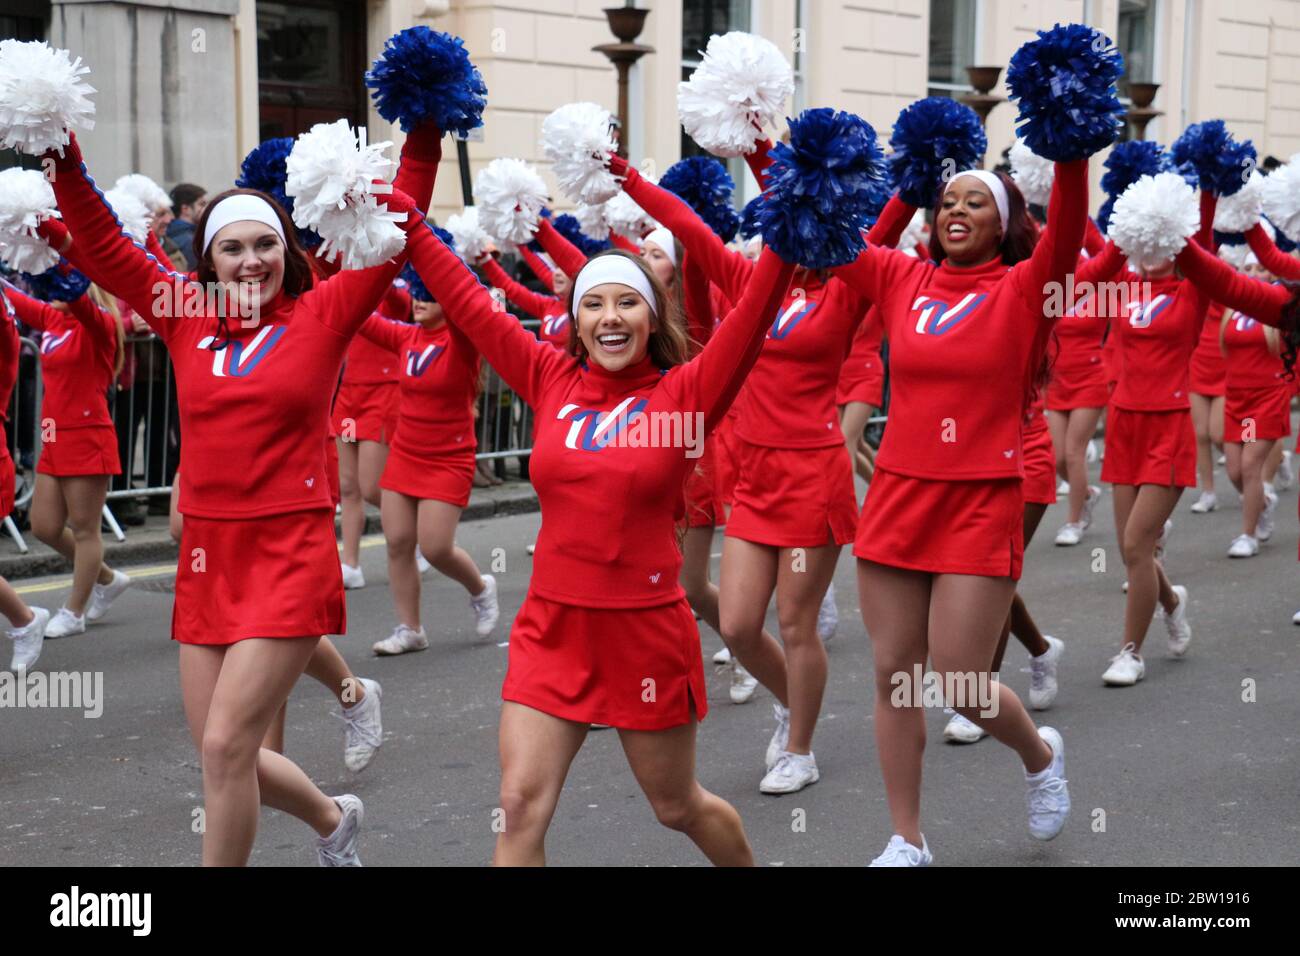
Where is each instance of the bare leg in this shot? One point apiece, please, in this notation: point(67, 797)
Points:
point(701, 593)
point(1019, 621)
point(353, 520)
point(327, 666)
point(1082, 426)
point(437, 522)
point(747, 580)
point(1150, 507)
point(1201, 414)
point(803, 574)
point(399, 514)
point(14, 607)
point(1253, 457)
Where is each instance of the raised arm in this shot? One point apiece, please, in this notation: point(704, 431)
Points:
point(418, 170)
point(100, 323)
point(698, 303)
point(33, 312)
point(536, 305)
point(386, 334)
point(1205, 235)
point(1102, 266)
point(1057, 253)
point(10, 349)
point(540, 268)
point(1270, 256)
point(759, 160)
point(710, 382)
point(567, 256)
point(891, 222)
point(527, 364)
point(1219, 281)
point(1093, 241)
point(729, 271)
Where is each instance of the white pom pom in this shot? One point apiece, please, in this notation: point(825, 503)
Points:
point(628, 219)
point(914, 233)
point(509, 196)
point(131, 213)
point(1032, 173)
point(577, 139)
point(330, 174)
point(1240, 211)
point(1154, 218)
point(26, 201)
point(743, 80)
point(593, 220)
point(471, 240)
point(1236, 256)
point(146, 190)
point(1281, 196)
point(42, 96)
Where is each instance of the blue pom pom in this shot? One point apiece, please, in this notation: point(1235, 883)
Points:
point(1221, 163)
point(1129, 162)
point(749, 227)
point(447, 239)
point(1065, 84)
point(1282, 240)
point(54, 285)
point(263, 169)
point(414, 284)
point(426, 76)
point(1229, 238)
point(823, 186)
point(568, 227)
point(704, 184)
point(933, 138)
point(1103, 215)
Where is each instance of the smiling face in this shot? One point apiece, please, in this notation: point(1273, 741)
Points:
point(654, 256)
point(968, 224)
point(251, 255)
point(614, 324)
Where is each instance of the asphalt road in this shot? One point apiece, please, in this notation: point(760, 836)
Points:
point(1178, 770)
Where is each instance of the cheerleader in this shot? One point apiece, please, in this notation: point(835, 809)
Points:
point(1208, 387)
point(82, 349)
point(794, 504)
point(547, 309)
point(259, 579)
point(27, 629)
point(859, 393)
point(605, 634)
point(430, 471)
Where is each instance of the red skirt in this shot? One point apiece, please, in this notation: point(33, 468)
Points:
point(1150, 448)
point(1040, 466)
point(445, 477)
point(272, 576)
point(703, 507)
point(332, 470)
point(724, 464)
point(366, 412)
point(7, 478)
point(631, 668)
point(1082, 386)
point(1268, 408)
point(1209, 371)
point(943, 527)
point(80, 451)
point(793, 497)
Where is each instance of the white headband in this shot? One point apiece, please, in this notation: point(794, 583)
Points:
point(240, 207)
point(996, 187)
point(606, 269)
point(662, 238)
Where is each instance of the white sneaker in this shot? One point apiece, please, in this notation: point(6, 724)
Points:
point(898, 852)
point(340, 847)
point(1091, 454)
point(102, 596)
point(353, 578)
point(1048, 797)
point(743, 683)
point(65, 624)
point(780, 737)
point(364, 731)
point(422, 565)
point(1180, 632)
point(1070, 534)
point(1243, 546)
point(723, 656)
point(1285, 473)
point(402, 640)
point(791, 774)
point(1295, 618)
point(1062, 489)
point(1089, 502)
point(486, 610)
point(962, 731)
point(531, 548)
point(828, 616)
point(1264, 527)
point(1126, 668)
point(28, 640)
point(1207, 502)
point(1042, 674)
point(1223, 460)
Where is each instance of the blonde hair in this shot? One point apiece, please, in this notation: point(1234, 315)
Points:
point(669, 344)
point(109, 304)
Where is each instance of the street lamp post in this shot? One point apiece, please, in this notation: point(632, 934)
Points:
point(982, 101)
point(626, 23)
point(1141, 113)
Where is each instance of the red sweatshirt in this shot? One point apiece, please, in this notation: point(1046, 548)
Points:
point(608, 507)
point(965, 344)
point(554, 327)
point(254, 412)
point(1251, 363)
point(78, 350)
point(10, 350)
point(1261, 300)
point(539, 267)
point(1080, 330)
point(439, 371)
point(1272, 258)
point(568, 257)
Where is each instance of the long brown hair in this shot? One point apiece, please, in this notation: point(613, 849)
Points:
point(669, 344)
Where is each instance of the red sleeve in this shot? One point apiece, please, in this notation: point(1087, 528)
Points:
point(10, 349)
point(540, 268)
point(622, 242)
point(1101, 267)
point(100, 323)
point(877, 271)
point(567, 256)
point(1205, 235)
point(387, 335)
point(531, 302)
point(1219, 281)
point(33, 312)
point(729, 271)
point(154, 247)
point(922, 251)
point(710, 382)
point(695, 297)
point(527, 364)
point(418, 170)
point(396, 304)
point(891, 222)
point(1057, 253)
point(1093, 241)
point(1270, 256)
point(759, 160)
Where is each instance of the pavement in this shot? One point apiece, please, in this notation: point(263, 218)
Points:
point(1196, 765)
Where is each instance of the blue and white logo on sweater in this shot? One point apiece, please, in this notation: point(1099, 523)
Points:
point(935, 317)
point(788, 319)
point(417, 363)
point(240, 359)
point(51, 342)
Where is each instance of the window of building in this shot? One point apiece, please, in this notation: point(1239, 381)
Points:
point(23, 20)
point(702, 19)
point(952, 46)
point(1137, 42)
point(310, 61)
